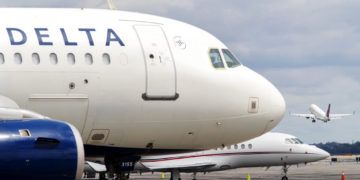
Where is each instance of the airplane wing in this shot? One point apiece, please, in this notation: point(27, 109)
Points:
point(336, 116)
point(339, 116)
point(307, 116)
point(181, 167)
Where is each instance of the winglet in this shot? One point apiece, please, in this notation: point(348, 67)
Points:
point(328, 111)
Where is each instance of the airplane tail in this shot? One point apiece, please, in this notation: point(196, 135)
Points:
point(328, 111)
point(111, 5)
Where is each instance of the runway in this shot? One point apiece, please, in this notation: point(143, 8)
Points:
point(323, 170)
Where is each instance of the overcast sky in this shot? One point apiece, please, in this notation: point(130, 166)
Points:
point(310, 49)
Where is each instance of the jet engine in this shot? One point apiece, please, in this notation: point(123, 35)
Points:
point(40, 149)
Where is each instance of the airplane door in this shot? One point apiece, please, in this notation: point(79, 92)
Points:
point(159, 62)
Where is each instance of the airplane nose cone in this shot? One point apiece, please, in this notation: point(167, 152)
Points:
point(260, 107)
point(276, 103)
point(276, 107)
point(319, 154)
point(272, 102)
point(323, 154)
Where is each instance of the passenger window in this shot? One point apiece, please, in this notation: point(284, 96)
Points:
point(2, 58)
point(106, 59)
point(71, 58)
point(18, 58)
point(243, 146)
point(216, 59)
point(53, 59)
point(36, 58)
point(250, 146)
point(89, 59)
point(230, 59)
point(236, 146)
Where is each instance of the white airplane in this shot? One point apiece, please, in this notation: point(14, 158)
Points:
point(271, 149)
point(319, 114)
point(130, 82)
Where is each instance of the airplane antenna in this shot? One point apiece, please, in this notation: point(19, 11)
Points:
point(111, 5)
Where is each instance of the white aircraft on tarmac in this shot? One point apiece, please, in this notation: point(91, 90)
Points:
point(271, 149)
point(318, 114)
point(128, 82)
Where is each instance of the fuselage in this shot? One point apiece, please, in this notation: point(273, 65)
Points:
point(271, 149)
point(318, 112)
point(131, 80)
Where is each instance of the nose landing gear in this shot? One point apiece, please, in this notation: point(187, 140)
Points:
point(284, 173)
point(175, 175)
point(194, 176)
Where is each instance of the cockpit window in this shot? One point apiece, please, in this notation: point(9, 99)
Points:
point(288, 141)
point(230, 59)
point(216, 59)
point(293, 141)
point(298, 141)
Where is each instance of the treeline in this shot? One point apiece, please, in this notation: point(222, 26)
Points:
point(340, 148)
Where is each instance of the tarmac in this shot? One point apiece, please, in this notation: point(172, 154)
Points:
point(323, 170)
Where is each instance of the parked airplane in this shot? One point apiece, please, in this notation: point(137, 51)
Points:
point(271, 149)
point(129, 82)
point(319, 114)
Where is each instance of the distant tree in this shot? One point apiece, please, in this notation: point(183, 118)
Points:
point(335, 148)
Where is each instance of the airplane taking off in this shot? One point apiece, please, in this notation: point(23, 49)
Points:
point(271, 149)
point(319, 114)
point(130, 82)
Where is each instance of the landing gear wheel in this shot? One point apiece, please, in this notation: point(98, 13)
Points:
point(122, 176)
point(175, 175)
point(102, 176)
point(284, 178)
point(194, 176)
